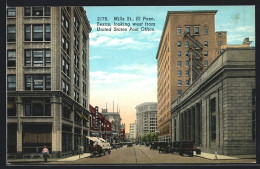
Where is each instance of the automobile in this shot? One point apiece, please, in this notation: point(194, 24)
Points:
point(152, 146)
point(162, 146)
point(129, 144)
point(175, 147)
point(187, 147)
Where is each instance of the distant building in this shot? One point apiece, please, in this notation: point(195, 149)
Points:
point(100, 126)
point(127, 136)
point(146, 118)
point(122, 133)
point(218, 111)
point(133, 132)
point(115, 119)
point(187, 47)
point(47, 80)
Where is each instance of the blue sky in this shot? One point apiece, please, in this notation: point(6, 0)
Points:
point(123, 65)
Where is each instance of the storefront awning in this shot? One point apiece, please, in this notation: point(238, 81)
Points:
point(80, 115)
point(85, 118)
point(92, 138)
point(102, 139)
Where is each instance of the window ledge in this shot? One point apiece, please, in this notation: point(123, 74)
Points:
point(37, 41)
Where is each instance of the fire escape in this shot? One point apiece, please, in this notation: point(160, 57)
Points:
point(195, 59)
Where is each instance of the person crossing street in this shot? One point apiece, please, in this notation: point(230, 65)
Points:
point(45, 153)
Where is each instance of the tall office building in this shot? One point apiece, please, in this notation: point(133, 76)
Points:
point(146, 118)
point(132, 133)
point(187, 47)
point(47, 80)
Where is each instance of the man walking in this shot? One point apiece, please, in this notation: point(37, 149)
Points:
point(45, 153)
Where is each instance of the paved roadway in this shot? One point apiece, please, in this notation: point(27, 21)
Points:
point(143, 155)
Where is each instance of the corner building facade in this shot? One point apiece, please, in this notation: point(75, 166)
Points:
point(218, 111)
point(146, 118)
point(187, 47)
point(47, 80)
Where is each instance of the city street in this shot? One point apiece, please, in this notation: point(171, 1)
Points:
point(139, 154)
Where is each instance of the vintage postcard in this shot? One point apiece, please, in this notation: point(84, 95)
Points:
point(130, 85)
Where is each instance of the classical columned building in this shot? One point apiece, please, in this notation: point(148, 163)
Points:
point(218, 111)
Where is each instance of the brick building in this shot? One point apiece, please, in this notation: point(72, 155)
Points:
point(187, 47)
point(47, 80)
point(218, 111)
point(100, 126)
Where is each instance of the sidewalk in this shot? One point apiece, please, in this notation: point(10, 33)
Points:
point(71, 158)
point(223, 157)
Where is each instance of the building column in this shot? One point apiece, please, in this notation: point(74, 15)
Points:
point(197, 123)
point(73, 126)
point(19, 112)
point(192, 124)
point(180, 137)
point(81, 133)
point(56, 108)
point(188, 125)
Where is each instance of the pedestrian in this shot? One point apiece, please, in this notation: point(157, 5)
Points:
point(45, 153)
point(216, 155)
point(81, 149)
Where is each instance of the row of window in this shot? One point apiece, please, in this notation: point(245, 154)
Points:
point(37, 11)
point(39, 107)
point(37, 32)
point(76, 79)
point(37, 57)
point(179, 63)
point(180, 82)
point(180, 73)
point(65, 67)
point(33, 57)
point(38, 82)
point(196, 30)
point(195, 45)
point(41, 32)
point(65, 44)
point(179, 53)
point(32, 82)
point(65, 87)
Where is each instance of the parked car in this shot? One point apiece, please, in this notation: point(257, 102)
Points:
point(153, 145)
point(175, 147)
point(187, 147)
point(163, 146)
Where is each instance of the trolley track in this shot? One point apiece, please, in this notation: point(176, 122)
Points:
point(143, 153)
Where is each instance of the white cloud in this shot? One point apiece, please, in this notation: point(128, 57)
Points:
point(124, 43)
point(246, 29)
point(139, 68)
point(127, 76)
point(95, 57)
point(124, 39)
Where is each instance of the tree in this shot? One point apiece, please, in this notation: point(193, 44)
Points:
point(143, 138)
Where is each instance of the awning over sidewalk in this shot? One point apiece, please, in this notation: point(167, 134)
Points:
point(102, 139)
point(92, 138)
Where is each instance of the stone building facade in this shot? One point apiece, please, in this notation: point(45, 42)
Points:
point(47, 80)
point(187, 47)
point(218, 110)
point(133, 132)
point(115, 119)
point(146, 118)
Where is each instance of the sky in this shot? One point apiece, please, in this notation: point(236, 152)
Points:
point(123, 65)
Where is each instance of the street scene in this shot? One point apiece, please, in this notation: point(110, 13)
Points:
point(130, 85)
point(140, 154)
